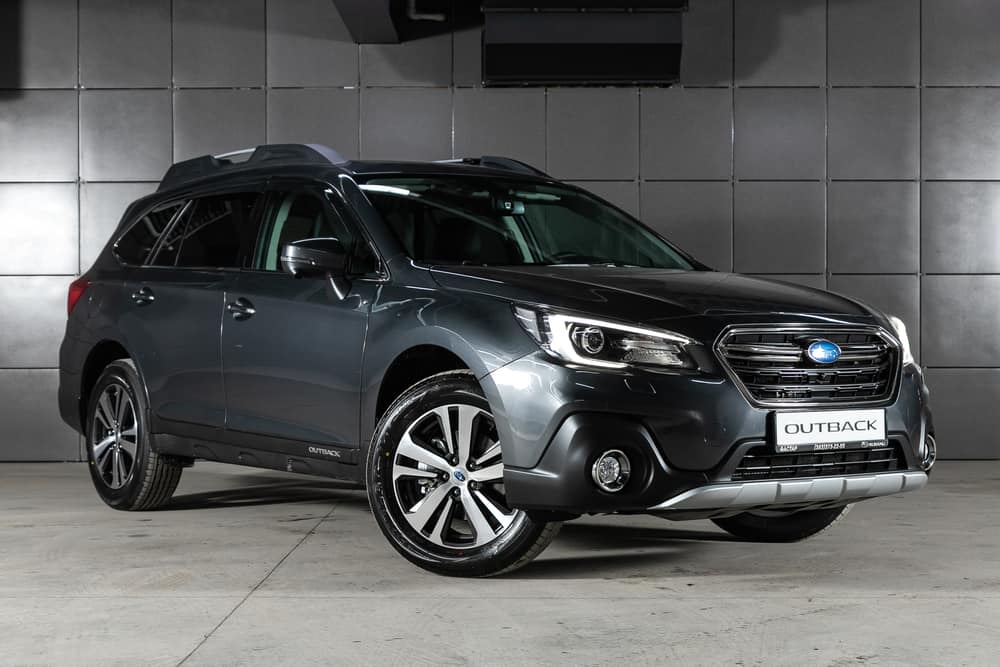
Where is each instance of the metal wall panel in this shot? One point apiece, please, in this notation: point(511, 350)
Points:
point(803, 143)
point(593, 133)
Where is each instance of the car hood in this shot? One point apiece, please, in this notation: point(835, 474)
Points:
point(647, 295)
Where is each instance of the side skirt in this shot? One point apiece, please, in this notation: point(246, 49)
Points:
point(345, 469)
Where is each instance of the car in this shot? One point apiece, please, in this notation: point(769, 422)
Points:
point(488, 351)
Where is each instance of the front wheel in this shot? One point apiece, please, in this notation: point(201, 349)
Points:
point(777, 526)
point(435, 483)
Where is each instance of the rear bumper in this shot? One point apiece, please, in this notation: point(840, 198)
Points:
point(804, 493)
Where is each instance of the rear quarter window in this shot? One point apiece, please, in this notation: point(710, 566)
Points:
point(136, 244)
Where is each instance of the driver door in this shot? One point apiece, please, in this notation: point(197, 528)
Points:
point(292, 351)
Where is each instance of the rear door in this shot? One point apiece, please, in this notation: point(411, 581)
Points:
point(177, 303)
point(292, 351)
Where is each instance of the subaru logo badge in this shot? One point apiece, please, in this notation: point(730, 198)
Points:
point(823, 352)
point(459, 475)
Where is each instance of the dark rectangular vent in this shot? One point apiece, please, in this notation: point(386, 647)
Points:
point(760, 463)
point(582, 43)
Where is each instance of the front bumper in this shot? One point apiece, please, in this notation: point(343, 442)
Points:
point(685, 435)
point(802, 493)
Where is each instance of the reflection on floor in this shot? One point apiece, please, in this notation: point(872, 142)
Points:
point(252, 567)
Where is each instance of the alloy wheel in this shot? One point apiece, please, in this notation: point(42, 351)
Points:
point(447, 475)
point(115, 436)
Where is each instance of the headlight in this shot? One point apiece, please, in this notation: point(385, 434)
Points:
point(904, 340)
point(592, 342)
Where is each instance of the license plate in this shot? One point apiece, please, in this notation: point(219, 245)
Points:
point(828, 430)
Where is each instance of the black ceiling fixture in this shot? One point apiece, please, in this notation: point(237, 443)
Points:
point(541, 42)
point(582, 42)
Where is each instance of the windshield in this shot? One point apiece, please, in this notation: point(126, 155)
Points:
point(488, 221)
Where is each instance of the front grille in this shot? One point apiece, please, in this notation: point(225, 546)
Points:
point(761, 463)
point(774, 369)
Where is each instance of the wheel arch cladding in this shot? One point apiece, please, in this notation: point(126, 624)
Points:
point(102, 354)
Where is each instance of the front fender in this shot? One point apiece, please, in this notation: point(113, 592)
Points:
point(480, 330)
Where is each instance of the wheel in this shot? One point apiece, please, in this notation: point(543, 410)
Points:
point(435, 483)
point(127, 473)
point(777, 526)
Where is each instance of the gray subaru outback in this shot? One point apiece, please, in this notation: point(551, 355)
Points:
point(488, 351)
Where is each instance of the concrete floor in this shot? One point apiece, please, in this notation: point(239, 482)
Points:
point(251, 567)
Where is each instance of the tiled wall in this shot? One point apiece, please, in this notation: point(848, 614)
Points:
point(847, 144)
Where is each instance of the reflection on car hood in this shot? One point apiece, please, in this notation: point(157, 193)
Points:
point(645, 295)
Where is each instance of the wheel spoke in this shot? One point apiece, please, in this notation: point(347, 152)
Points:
point(121, 402)
point(122, 468)
point(502, 517)
point(466, 417)
point(420, 514)
point(104, 411)
point(410, 449)
point(403, 470)
point(488, 474)
point(129, 446)
point(484, 531)
point(443, 522)
point(129, 432)
point(116, 479)
point(444, 419)
point(101, 450)
point(492, 452)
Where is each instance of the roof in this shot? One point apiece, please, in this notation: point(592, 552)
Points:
point(267, 158)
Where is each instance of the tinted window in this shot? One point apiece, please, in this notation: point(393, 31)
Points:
point(134, 247)
point(307, 214)
point(473, 220)
point(213, 233)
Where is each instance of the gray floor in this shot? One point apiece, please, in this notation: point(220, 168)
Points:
point(252, 567)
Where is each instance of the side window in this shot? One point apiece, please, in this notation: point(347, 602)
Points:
point(134, 247)
point(214, 233)
point(304, 214)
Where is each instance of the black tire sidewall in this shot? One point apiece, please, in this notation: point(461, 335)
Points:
point(124, 375)
point(791, 528)
point(509, 548)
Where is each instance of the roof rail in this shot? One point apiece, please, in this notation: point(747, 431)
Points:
point(210, 165)
point(498, 162)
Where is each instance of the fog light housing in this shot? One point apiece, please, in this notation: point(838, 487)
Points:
point(930, 453)
point(611, 471)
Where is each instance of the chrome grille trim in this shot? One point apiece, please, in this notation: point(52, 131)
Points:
point(866, 373)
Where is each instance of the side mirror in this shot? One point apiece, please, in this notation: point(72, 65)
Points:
point(318, 257)
point(314, 257)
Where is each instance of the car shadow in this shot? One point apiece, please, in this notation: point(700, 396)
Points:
point(269, 491)
point(612, 552)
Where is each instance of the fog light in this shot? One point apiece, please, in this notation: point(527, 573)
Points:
point(611, 471)
point(930, 453)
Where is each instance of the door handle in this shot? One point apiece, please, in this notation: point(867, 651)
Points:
point(143, 296)
point(241, 309)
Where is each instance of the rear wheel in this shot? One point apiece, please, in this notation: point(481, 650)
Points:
point(126, 472)
point(435, 483)
point(778, 526)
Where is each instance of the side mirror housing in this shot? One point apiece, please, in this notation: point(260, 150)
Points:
point(318, 257)
point(314, 257)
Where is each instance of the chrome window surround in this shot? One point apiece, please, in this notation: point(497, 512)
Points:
point(819, 330)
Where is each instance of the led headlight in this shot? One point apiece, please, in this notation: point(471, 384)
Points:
point(593, 342)
point(904, 339)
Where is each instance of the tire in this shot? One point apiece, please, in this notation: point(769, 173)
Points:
point(777, 527)
point(126, 472)
point(445, 510)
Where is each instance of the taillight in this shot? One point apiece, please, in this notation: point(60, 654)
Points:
point(76, 290)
